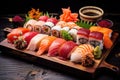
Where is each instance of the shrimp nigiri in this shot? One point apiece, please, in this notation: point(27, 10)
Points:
point(44, 45)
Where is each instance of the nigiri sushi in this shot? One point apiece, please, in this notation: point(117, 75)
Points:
point(55, 31)
point(30, 24)
point(64, 50)
point(54, 47)
point(83, 54)
point(44, 44)
point(96, 39)
point(29, 35)
point(38, 26)
point(46, 28)
point(35, 41)
point(15, 33)
point(82, 36)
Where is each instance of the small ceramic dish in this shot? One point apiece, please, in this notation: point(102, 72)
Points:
point(105, 23)
point(91, 13)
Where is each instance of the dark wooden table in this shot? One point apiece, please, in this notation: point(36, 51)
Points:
point(14, 68)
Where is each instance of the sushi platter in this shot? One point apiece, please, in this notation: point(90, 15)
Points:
point(62, 44)
point(49, 61)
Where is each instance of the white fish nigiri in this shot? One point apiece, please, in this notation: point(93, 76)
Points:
point(35, 41)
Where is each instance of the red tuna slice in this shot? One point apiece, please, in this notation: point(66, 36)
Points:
point(54, 47)
point(65, 49)
point(29, 35)
point(96, 35)
point(83, 31)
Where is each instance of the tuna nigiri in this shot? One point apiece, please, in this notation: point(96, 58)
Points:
point(44, 45)
point(29, 35)
point(54, 47)
point(35, 41)
point(64, 50)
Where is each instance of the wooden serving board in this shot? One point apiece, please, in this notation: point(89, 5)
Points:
point(4, 45)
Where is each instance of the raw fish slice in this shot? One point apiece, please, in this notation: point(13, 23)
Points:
point(96, 39)
point(64, 50)
point(35, 41)
point(15, 33)
point(82, 36)
point(29, 35)
point(44, 45)
point(54, 47)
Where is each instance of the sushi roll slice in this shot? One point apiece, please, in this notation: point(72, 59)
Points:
point(38, 26)
point(66, 28)
point(30, 24)
point(55, 31)
point(82, 36)
point(46, 28)
point(73, 33)
point(35, 41)
point(96, 39)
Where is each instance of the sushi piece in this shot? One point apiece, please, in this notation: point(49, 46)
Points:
point(73, 33)
point(66, 28)
point(38, 26)
point(107, 35)
point(46, 28)
point(83, 54)
point(82, 36)
point(29, 35)
point(54, 47)
point(23, 40)
point(65, 49)
point(96, 39)
point(44, 45)
point(30, 24)
point(15, 33)
point(55, 31)
point(35, 42)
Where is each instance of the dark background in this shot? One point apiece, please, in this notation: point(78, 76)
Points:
point(23, 6)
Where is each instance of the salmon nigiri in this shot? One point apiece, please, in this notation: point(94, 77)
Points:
point(54, 47)
point(44, 45)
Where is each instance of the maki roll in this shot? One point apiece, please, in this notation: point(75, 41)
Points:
point(46, 28)
point(38, 26)
point(96, 39)
point(55, 31)
point(73, 33)
point(82, 36)
point(30, 24)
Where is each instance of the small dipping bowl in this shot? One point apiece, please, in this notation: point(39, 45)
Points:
point(105, 23)
point(91, 13)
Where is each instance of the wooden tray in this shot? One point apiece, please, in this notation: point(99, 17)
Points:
point(56, 63)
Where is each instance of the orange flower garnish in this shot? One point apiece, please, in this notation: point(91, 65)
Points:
point(34, 14)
